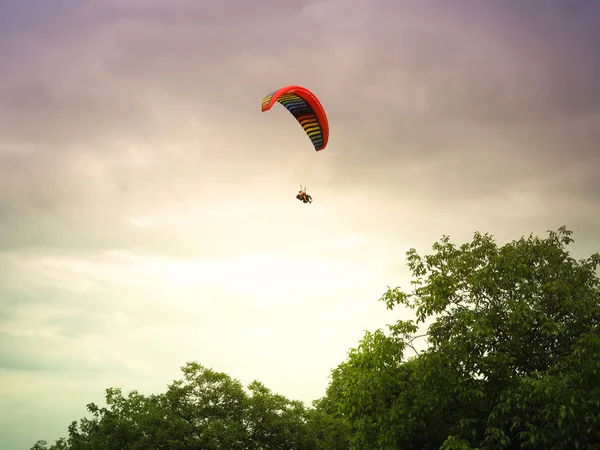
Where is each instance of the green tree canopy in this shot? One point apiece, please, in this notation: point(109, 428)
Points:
point(512, 362)
point(204, 410)
point(513, 358)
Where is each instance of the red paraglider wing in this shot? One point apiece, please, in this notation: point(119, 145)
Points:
point(307, 110)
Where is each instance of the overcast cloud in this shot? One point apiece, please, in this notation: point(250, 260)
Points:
point(147, 211)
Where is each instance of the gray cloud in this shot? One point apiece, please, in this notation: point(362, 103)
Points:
point(149, 106)
point(143, 194)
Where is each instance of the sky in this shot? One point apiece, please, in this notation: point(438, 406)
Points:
point(147, 207)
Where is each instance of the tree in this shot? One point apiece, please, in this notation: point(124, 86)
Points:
point(513, 358)
point(204, 410)
point(513, 361)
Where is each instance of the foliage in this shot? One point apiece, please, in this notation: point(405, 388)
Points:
point(514, 353)
point(205, 410)
point(513, 362)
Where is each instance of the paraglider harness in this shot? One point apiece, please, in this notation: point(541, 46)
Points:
point(303, 196)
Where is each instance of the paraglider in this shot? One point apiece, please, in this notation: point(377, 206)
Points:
point(308, 111)
point(303, 196)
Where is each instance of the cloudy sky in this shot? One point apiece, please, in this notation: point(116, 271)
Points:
point(147, 210)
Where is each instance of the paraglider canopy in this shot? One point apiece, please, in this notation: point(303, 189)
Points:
point(307, 110)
